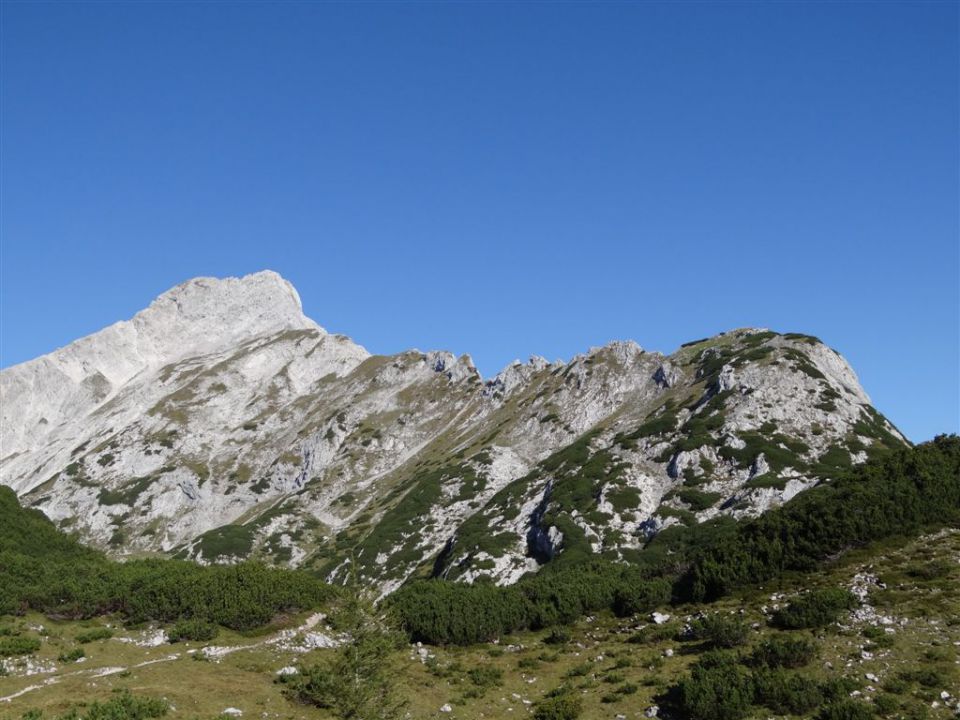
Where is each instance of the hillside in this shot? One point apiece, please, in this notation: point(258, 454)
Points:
point(858, 620)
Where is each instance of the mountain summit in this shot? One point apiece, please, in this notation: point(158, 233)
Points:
point(221, 423)
point(197, 318)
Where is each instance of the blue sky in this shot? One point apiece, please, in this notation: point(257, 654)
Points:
point(499, 179)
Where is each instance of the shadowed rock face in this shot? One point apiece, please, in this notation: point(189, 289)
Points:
point(220, 422)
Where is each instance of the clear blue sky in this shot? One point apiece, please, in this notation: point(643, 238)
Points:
point(499, 179)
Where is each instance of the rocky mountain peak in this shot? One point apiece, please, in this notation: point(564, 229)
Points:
point(208, 313)
point(262, 294)
point(42, 398)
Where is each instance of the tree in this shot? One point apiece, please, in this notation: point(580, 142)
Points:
point(356, 684)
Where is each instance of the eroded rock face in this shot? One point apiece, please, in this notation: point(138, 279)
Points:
point(220, 423)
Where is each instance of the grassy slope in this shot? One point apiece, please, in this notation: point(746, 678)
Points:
point(929, 610)
point(922, 595)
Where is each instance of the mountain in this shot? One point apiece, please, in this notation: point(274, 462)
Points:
point(221, 423)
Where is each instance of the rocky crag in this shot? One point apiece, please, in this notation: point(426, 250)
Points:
point(222, 423)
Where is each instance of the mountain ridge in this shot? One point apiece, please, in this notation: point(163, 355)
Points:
point(272, 438)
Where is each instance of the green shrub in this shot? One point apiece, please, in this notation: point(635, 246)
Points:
point(579, 670)
point(485, 676)
point(896, 685)
point(766, 481)
point(846, 710)
point(226, 541)
point(930, 677)
point(563, 705)
point(654, 634)
point(881, 642)
point(786, 693)
point(684, 516)
point(784, 652)
point(815, 609)
point(665, 423)
point(716, 689)
point(886, 704)
point(192, 629)
point(937, 654)
point(931, 571)
point(719, 688)
point(454, 613)
point(18, 645)
point(100, 633)
point(122, 706)
point(641, 596)
point(355, 683)
point(719, 631)
point(698, 499)
point(71, 655)
point(838, 688)
point(557, 636)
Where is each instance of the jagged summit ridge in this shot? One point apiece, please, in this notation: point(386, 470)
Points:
point(211, 312)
